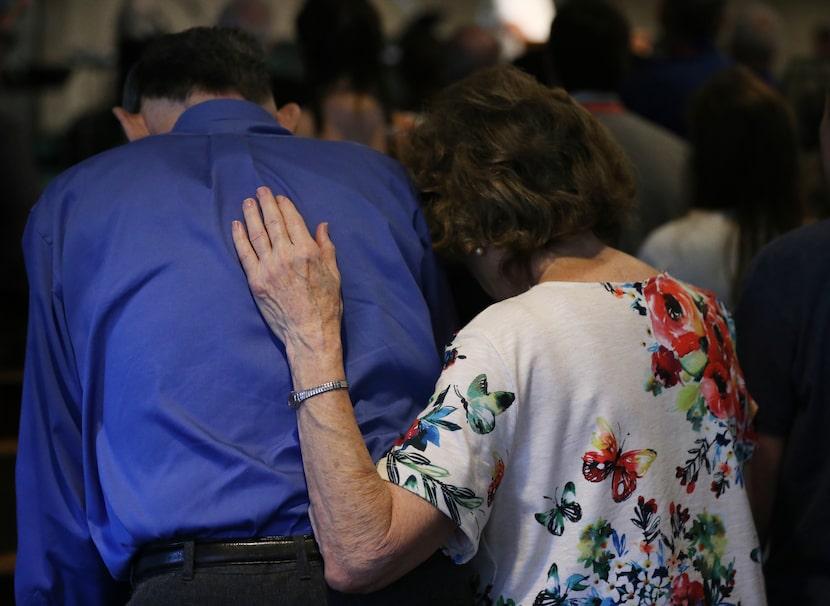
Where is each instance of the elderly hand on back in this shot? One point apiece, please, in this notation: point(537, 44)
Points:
point(294, 280)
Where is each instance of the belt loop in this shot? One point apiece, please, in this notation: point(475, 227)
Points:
point(187, 563)
point(303, 570)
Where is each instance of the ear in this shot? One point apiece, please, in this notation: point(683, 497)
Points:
point(289, 116)
point(134, 125)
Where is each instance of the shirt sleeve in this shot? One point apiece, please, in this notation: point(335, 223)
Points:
point(57, 561)
point(456, 452)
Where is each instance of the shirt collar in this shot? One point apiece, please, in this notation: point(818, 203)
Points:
point(228, 116)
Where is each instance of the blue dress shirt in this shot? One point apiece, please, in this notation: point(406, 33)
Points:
point(155, 396)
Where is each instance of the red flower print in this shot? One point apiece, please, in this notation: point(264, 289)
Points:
point(719, 340)
point(665, 367)
point(497, 476)
point(718, 390)
point(677, 323)
point(686, 593)
point(413, 431)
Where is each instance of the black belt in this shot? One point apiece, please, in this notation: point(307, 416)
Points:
point(183, 555)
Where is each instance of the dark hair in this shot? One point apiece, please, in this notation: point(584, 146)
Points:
point(589, 44)
point(692, 20)
point(206, 59)
point(744, 158)
point(341, 39)
point(503, 161)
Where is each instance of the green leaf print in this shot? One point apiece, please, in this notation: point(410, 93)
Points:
point(694, 362)
point(697, 413)
point(454, 496)
point(420, 463)
point(593, 552)
point(687, 397)
point(707, 540)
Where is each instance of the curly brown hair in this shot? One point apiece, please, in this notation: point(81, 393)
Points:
point(504, 161)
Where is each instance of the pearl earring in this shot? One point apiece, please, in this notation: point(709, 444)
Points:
point(478, 252)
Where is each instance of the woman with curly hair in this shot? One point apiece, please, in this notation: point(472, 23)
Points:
point(586, 438)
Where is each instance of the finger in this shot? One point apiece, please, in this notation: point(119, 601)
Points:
point(327, 248)
point(294, 222)
point(258, 237)
point(244, 250)
point(272, 215)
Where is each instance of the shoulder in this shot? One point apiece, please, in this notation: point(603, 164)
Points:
point(796, 261)
point(695, 225)
point(656, 134)
point(807, 243)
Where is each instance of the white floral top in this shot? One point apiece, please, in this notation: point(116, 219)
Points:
point(588, 440)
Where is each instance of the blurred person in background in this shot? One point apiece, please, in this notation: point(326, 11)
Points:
point(754, 39)
point(590, 53)
point(19, 176)
point(743, 182)
point(346, 96)
point(684, 56)
point(252, 16)
point(782, 321)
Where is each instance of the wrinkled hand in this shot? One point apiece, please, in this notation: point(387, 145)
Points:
point(293, 277)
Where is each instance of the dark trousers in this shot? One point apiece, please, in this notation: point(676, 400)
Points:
point(435, 582)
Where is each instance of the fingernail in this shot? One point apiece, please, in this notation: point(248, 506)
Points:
point(235, 224)
point(261, 191)
point(248, 203)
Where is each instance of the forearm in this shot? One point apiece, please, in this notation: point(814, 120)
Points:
point(370, 531)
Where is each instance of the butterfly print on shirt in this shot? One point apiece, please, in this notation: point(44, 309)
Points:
point(565, 508)
point(609, 460)
point(483, 406)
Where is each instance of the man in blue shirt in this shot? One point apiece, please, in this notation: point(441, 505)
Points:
point(155, 397)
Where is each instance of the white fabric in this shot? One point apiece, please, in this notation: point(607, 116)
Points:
point(570, 354)
point(700, 248)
